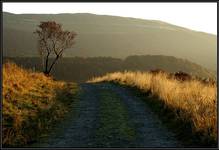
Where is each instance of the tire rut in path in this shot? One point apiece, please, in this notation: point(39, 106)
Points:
point(77, 128)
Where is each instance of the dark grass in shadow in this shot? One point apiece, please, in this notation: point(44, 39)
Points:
point(115, 130)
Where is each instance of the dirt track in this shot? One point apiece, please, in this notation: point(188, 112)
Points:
point(79, 128)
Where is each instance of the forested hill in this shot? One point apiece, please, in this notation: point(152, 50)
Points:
point(80, 69)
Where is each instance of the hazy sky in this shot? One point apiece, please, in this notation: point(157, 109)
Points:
point(196, 16)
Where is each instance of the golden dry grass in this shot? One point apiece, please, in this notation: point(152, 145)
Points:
point(192, 101)
point(29, 104)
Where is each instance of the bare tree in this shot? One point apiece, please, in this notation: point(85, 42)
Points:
point(52, 41)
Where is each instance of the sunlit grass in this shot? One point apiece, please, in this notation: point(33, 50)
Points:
point(31, 102)
point(193, 101)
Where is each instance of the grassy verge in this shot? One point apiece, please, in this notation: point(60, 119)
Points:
point(115, 129)
point(189, 107)
point(31, 103)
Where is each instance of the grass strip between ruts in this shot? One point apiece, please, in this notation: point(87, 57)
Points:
point(115, 129)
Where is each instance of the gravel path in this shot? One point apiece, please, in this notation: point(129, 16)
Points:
point(79, 127)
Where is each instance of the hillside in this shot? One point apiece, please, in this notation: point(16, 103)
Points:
point(32, 102)
point(118, 37)
point(80, 69)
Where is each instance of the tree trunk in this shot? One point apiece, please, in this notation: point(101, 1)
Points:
point(53, 63)
point(46, 67)
point(46, 73)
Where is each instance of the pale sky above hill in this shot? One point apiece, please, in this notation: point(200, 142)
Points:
point(195, 16)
